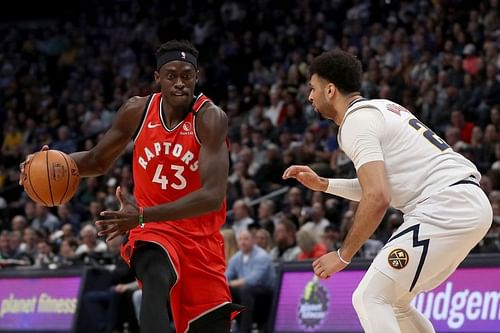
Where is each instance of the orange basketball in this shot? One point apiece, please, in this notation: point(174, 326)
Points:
point(51, 178)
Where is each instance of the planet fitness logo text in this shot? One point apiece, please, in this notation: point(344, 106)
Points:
point(313, 306)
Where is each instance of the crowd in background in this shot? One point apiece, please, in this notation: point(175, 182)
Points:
point(62, 80)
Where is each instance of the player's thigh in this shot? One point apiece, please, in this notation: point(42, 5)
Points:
point(153, 267)
point(424, 254)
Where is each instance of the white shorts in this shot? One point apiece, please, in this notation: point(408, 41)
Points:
point(435, 237)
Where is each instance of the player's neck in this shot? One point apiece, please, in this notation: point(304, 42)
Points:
point(344, 103)
point(173, 115)
point(351, 98)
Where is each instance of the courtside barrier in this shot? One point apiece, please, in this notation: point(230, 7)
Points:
point(468, 301)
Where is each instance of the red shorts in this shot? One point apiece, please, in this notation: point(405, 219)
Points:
point(199, 264)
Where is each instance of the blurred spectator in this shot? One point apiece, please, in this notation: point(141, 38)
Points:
point(268, 176)
point(251, 275)
point(44, 257)
point(30, 240)
point(67, 216)
point(45, 220)
point(67, 253)
point(293, 202)
point(90, 243)
point(64, 142)
point(263, 239)
point(11, 146)
point(465, 127)
point(331, 238)
point(286, 248)
point(309, 246)
point(230, 244)
point(242, 217)
point(317, 223)
point(265, 218)
point(18, 223)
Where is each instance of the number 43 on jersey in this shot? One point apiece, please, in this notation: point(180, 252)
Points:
point(178, 184)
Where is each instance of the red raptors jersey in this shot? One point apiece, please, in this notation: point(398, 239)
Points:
point(166, 167)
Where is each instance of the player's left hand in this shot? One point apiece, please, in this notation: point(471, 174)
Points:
point(121, 221)
point(328, 264)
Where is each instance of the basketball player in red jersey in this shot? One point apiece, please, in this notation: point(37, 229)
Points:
point(180, 167)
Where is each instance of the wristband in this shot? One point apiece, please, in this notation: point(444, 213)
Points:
point(344, 261)
point(141, 217)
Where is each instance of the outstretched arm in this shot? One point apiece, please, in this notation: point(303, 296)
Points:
point(99, 159)
point(345, 188)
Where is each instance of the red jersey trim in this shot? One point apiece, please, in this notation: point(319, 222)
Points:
point(200, 101)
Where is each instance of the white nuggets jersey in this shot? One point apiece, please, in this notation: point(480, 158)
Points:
point(418, 162)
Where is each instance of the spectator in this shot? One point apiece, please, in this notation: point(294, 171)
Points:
point(64, 142)
point(317, 224)
point(30, 240)
point(45, 220)
point(331, 238)
point(230, 245)
point(44, 257)
point(90, 243)
point(67, 253)
point(309, 246)
point(263, 240)
point(19, 223)
point(286, 248)
point(465, 127)
point(251, 275)
point(242, 217)
point(265, 219)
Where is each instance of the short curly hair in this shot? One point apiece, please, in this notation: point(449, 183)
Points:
point(340, 68)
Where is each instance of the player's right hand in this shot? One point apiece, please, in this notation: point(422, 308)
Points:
point(307, 177)
point(27, 160)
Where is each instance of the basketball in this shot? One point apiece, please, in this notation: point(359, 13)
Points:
point(51, 178)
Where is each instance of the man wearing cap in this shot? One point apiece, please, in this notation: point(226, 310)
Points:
point(180, 166)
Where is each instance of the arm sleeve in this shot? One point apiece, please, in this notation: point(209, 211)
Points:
point(361, 136)
point(345, 188)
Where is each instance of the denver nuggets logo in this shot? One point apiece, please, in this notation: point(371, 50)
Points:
point(398, 258)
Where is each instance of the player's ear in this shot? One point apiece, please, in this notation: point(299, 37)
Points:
point(157, 76)
point(197, 75)
point(330, 90)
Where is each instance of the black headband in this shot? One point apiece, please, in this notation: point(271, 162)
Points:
point(176, 55)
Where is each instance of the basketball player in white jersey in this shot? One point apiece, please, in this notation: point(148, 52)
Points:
point(402, 163)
